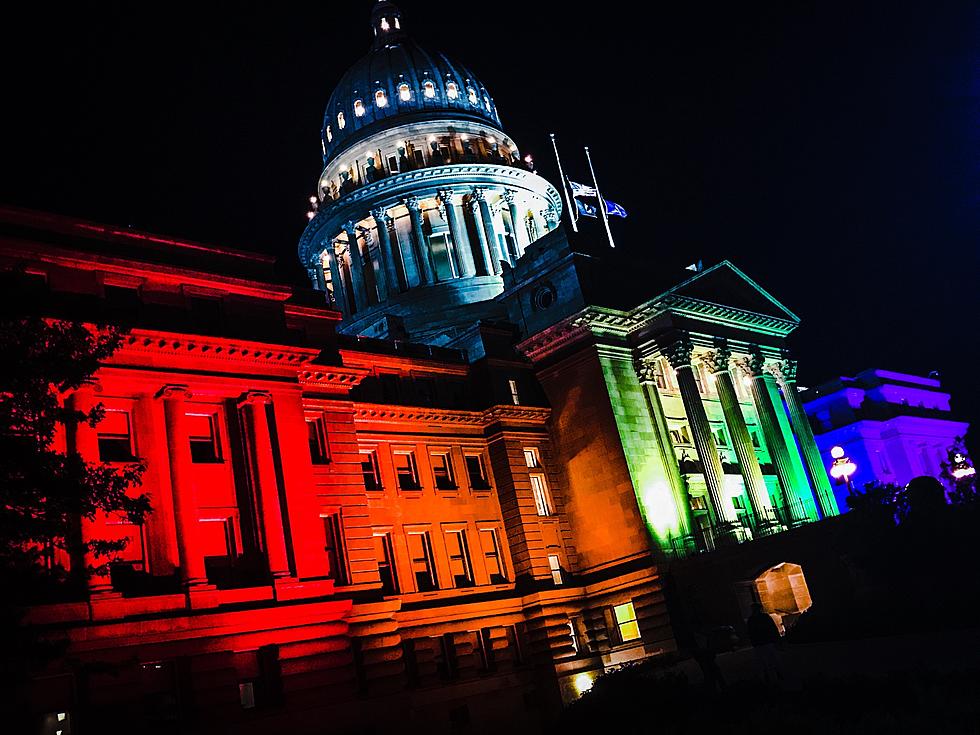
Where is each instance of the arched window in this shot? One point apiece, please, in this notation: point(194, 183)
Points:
point(404, 92)
point(380, 98)
point(473, 96)
point(398, 24)
point(486, 101)
point(359, 108)
point(452, 90)
point(329, 135)
point(384, 24)
point(341, 122)
point(429, 89)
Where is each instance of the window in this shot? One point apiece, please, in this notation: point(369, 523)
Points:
point(698, 371)
point(554, 563)
point(442, 469)
point(405, 92)
point(573, 634)
point(680, 435)
point(755, 438)
point(659, 374)
point(381, 98)
point(539, 489)
point(370, 470)
point(359, 108)
point(484, 647)
point(477, 472)
point(698, 502)
point(514, 395)
point(486, 101)
point(329, 134)
point(317, 434)
point(385, 556)
point(406, 470)
point(203, 435)
point(333, 530)
point(452, 91)
point(460, 568)
point(246, 694)
point(115, 437)
point(423, 567)
point(384, 24)
point(531, 458)
point(446, 663)
point(439, 245)
point(473, 97)
point(341, 121)
point(429, 89)
point(721, 436)
point(493, 559)
point(626, 626)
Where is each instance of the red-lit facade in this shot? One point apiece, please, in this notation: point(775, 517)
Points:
point(344, 532)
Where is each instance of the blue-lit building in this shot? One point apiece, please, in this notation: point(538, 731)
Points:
point(894, 426)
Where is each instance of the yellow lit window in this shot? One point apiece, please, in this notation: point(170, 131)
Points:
point(329, 134)
point(452, 91)
point(341, 122)
point(629, 629)
point(380, 98)
point(384, 24)
point(359, 107)
point(404, 92)
point(473, 96)
point(429, 90)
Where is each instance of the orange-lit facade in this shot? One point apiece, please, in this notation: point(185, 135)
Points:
point(343, 531)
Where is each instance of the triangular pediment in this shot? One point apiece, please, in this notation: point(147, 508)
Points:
point(726, 285)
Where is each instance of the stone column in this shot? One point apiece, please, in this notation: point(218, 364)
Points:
point(463, 253)
point(763, 387)
point(678, 354)
point(423, 257)
point(254, 405)
point(485, 221)
point(785, 372)
point(85, 443)
point(481, 233)
point(356, 267)
point(682, 501)
point(550, 217)
point(390, 265)
point(379, 274)
point(337, 281)
point(718, 363)
point(517, 222)
point(192, 572)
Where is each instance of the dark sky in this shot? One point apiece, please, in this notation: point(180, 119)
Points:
point(830, 149)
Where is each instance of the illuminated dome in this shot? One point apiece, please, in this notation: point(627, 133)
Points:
point(423, 200)
point(397, 82)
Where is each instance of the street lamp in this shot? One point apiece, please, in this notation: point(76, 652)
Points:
point(842, 468)
point(961, 467)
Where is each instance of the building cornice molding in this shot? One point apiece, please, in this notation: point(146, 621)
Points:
point(707, 311)
point(332, 378)
point(511, 415)
point(171, 344)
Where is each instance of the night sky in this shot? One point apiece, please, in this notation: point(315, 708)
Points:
point(831, 150)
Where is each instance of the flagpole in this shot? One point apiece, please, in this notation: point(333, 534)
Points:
point(602, 202)
point(564, 187)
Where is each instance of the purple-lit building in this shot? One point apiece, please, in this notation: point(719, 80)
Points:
point(893, 426)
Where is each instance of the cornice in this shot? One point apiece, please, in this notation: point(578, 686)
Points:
point(514, 415)
point(332, 378)
point(169, 344)
point(707, 311)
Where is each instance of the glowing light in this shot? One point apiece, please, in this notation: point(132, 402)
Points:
point(452, 91)
point(583, 682)
point(358, 108)
point(404, 92)
point(658, 505)
point(486, 101)
point(429, 90)
point(381, 98)
point(310, 215)
point(464, 137)
point(61, 716)
point(432, 139)
point(473, 97)
point(837, 452)
point(329, 135)
point(341, 121)
point(491, 140)
point(384, 25)
point(313, 200)
point(960, 472)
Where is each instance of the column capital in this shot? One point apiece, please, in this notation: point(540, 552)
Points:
point(255, 398)
point(350, 227)
point(508, 196)
point(784, 370)
point(646, 371)
point(479, 194)
point(718, 359)
point(755, 364)
point(174, 391)
point(413, 204)
point(678, 351)
point(445, 196)
point(381, 215)
point(550, 216)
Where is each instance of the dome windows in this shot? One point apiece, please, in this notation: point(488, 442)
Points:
point(428, 89)
point(486, 101)
point(473, 97)
point(341, 121)
point(358, 108)
point(385, 25)
point(329, 135)
point(452, 91)
point(404, 92)
point(381, 98)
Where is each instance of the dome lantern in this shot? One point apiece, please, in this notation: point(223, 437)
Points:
point(386, 23)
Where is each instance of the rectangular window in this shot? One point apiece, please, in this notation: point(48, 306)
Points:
point(738, 502)
point(385, 556)
point(493, 558)
point(371, 470)
point(316, 431)
point(476, 470)
point(393, 164)
point(335, 548)
point(484, 647)
point(419, 157)
point(446, 663)
point(697, 370)
point(539, 488)
point(531, 457)
point(573, 634)
point(659, 374)
point(680, 435)
point(554, 563)
point(514, 395)
point(442, 469)
point(115, 437)
point(460, 567)
point(755, 437)
point(202, 432)
point(246, 694)
point(423, 565)
point(698, 502)
point(441, 259)
point(721, 436)
point(626, 626)
point(406, 470)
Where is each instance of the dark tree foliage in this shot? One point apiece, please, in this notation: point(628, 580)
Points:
point(44, 491)
point(962, 489)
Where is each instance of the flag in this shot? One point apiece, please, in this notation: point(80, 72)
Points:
point(581, 190)
point(614, 209)
point(586, 210)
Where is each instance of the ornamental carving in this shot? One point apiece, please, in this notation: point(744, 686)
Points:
point(646, 370)
point(678, 352)
point(755, 364)
point(413, 204)
point(381, 216)
point(479, 194)
point(508, 196)
point(719, 359)
point(255, 398)
point(783, 370)
point(172, 392)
